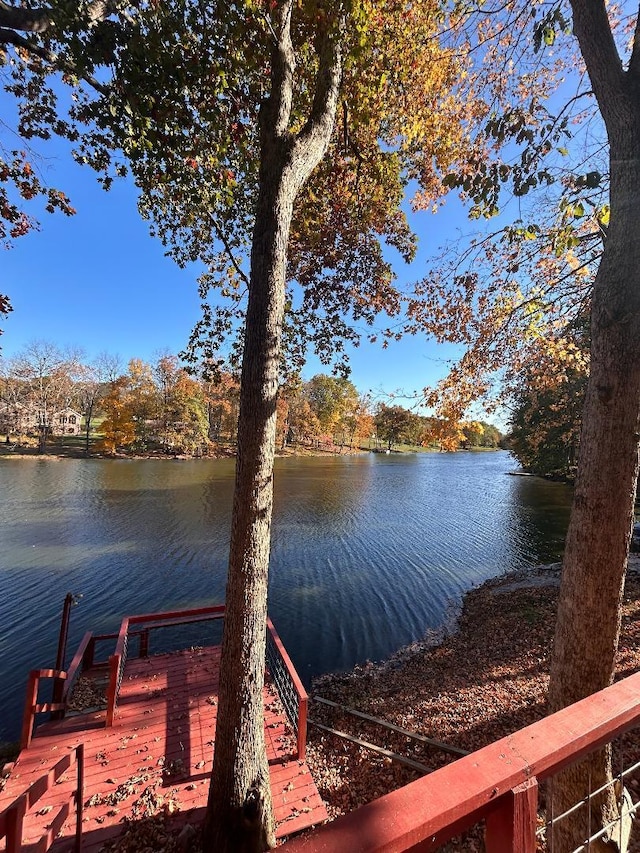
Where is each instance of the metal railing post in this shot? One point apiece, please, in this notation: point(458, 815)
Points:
point(64, 631)
point(79, 796)
point(58, 685)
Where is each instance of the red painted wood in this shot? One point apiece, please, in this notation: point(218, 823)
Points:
point(112, 690)
point(176, 614)
point(511, 828)
point(116, 661)
point(28, 714)
point(13, 828)
point(15, 818)
point(31, 707)
point(302, 725)
point(77, 664)
point(426, 813)
point(166, 713)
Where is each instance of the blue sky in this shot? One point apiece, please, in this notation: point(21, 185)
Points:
point(97, 281)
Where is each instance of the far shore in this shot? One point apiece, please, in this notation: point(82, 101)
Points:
point(223, 452)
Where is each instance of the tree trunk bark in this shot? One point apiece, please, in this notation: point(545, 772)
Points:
point(239, 815)
point(87, 431)
point(597, 544)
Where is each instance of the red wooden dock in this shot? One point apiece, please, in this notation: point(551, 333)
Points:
point(156, 757)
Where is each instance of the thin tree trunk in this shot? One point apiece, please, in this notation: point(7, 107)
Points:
point(239, 815)
point(240, 794)
point(87, 431)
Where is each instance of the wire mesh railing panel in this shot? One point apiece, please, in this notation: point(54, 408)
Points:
point(123, 660)
point(282, 681)
point(592, 804)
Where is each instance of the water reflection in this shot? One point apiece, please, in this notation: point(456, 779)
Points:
point(540, 516)
point(367, 553)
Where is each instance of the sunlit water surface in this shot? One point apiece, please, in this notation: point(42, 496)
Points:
point(369, 552)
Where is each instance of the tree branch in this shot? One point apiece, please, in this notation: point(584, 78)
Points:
point(230, 254)
point(319, 126)
point(10, 37)
point(604, 66)
point(283, 65)
point(40, 20)
point(634, 62)
point(24, 20)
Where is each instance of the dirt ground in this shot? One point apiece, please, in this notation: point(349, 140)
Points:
point(480, 683)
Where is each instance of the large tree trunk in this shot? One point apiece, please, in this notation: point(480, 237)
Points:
point(239, 815)
point(599, 532)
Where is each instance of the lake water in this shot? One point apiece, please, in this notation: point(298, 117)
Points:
point(369, 552)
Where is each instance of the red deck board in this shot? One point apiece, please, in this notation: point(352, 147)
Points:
point(159, 751)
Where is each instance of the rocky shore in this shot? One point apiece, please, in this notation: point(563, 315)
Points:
point(482, 681)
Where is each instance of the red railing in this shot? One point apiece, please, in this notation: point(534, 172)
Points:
point(498, 783)
point(63, 685)
point(82, 659)
point(292, 694)
point(287, 682)
point(116, 670)
point(290, 688)
point(150, 621)
point(33, 707)
point(12, 818)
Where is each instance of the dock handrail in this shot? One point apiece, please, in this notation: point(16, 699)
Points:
point(150, 621)
point(78, 663)
point(293, 695)
point(498, 783)
point(33, 707)
point(12, 818)
point(116, 670)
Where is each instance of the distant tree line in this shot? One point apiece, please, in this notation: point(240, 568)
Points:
point(161, 407)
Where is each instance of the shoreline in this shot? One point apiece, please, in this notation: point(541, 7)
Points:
point(179, 457)
point(483, 678)
point(223, 452)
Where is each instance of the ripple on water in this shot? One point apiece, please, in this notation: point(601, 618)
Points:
point(367, 552)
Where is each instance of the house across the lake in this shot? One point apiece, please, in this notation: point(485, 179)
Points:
point(19, 418)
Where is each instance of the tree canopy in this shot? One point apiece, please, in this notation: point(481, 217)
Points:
point(274, 142)
point(170, 94)
point(546, 416)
